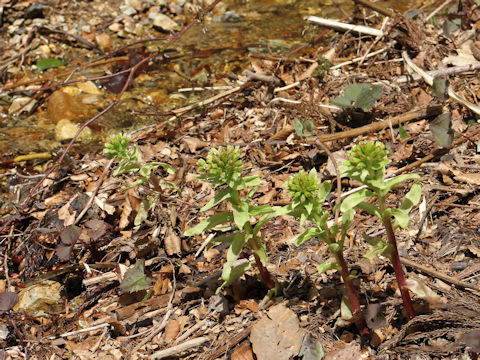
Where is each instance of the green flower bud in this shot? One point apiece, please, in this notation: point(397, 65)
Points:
point(303, 185)
point(223, 165)
point(118, 147)
point(366, 161)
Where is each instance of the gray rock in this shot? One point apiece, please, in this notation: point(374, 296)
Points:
point(164, 23)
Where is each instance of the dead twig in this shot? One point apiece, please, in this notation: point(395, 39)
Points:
point(436, 274)
point(95, 191)
point(178, 349)
point(376, 126)
point(377, 7)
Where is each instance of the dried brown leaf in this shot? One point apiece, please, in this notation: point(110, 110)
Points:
point(242, 352)
point(194, 144)
point(278, 337)
point(171, 330)
point(172, 242)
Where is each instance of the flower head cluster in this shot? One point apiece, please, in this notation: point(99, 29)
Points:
point(118, 147)
point(366, 161)
point(223, 165)
point(303, 185)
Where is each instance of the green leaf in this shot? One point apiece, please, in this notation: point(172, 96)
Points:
point(368, 97)
point(253, 180)
point(401, 131)
point(48, 63)
point(371, 209)
point(440, 88)
point(308, 235)
point(401, 217)
point(324, 190)
point(391, 183)
point(351, 201)
point(233, 253)
point(135, 278)
point(362, 96)
point(214, 220)
point(261, 252)
point(234, 274)
point(326, 266)
point(298, 126)
point(412, 198)
point(222, 239)
point(378, 247)
point(441, 128)
point(277, 211)
point(222, 195)
point(261, 210)
point(241, 215)
point(449, 28)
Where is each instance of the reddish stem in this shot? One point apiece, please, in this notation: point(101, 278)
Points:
point(264, 273)
point(397, 268)
point(352, 297)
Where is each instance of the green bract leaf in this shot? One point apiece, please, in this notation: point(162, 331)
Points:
point(233, 252)
point(48, 63)
point(345, 309)
point(391, 183)
point(327, 265)
point(222, 195)
point(335, 248)
point(214, 220)
point(401, 217)
point(253, 180)
point(260, 210)
point(371, 209)
point(261, 252)
point(135, 278)
point(308, 235)
point(378, 247)
point(351, 201)
point(441, 128)
point(241, 215)
point(412, 198)
point(234, 274)
point(361, 96)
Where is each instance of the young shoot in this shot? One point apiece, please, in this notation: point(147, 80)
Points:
point(366, 163)
point(308, 198)
point(223, 168)
point(130, 160)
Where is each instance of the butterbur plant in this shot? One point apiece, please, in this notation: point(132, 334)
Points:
point(308, 199)
point(130, 160)
point(366, 163)
point(223, 168)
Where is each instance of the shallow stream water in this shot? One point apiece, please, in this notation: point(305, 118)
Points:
point(206, 55)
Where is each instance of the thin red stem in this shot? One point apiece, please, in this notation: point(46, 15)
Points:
point(352, 297)
point(264, 273)
point(397, 268)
